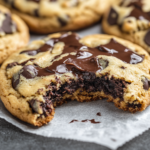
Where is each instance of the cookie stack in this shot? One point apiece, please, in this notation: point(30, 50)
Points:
point(63, 67)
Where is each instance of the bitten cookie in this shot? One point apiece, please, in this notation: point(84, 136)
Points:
point(63, 67)
point(47, 16)
point(13, 33)
point(130, 20)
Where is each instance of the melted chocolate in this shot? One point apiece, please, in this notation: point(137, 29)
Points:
point(136, 3)
point(139, 14)
point(37, 1)
point(85, 59)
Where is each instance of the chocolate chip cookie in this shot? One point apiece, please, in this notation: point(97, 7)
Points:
point(64, 67)
point(130, 20)
point(13, 33)
point(47, 16)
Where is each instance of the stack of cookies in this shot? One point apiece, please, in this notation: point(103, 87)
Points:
point(62, 67)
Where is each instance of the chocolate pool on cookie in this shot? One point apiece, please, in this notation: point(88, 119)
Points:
point(47, 16)
point(129, 20)
point(64, 67)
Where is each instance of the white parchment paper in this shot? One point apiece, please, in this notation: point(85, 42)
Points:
point(116, 127)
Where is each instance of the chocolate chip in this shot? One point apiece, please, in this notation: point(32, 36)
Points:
point(41, 107)
point(63, 22)
point(29, 72)
point(146, 83)
point(36, 106)
point(147, 38)
point(113, 17)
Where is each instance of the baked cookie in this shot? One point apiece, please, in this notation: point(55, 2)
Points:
point(13, 33)
point(64, 67)
point(47, 16)
point(130, 19)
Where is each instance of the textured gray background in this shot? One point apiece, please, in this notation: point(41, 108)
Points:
point(12, 138)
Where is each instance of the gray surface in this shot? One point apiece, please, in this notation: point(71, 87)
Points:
point(12, 138)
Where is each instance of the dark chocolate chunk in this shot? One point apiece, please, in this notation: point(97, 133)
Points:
point(7, 25)
point(146, 83)
point(40, 107)
point(73, 121)
point(29, 72)
point(113, 17)
point(62, 21)
point(147, 38)
point(36, 106)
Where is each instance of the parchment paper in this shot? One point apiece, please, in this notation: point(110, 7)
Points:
point(116, 127)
